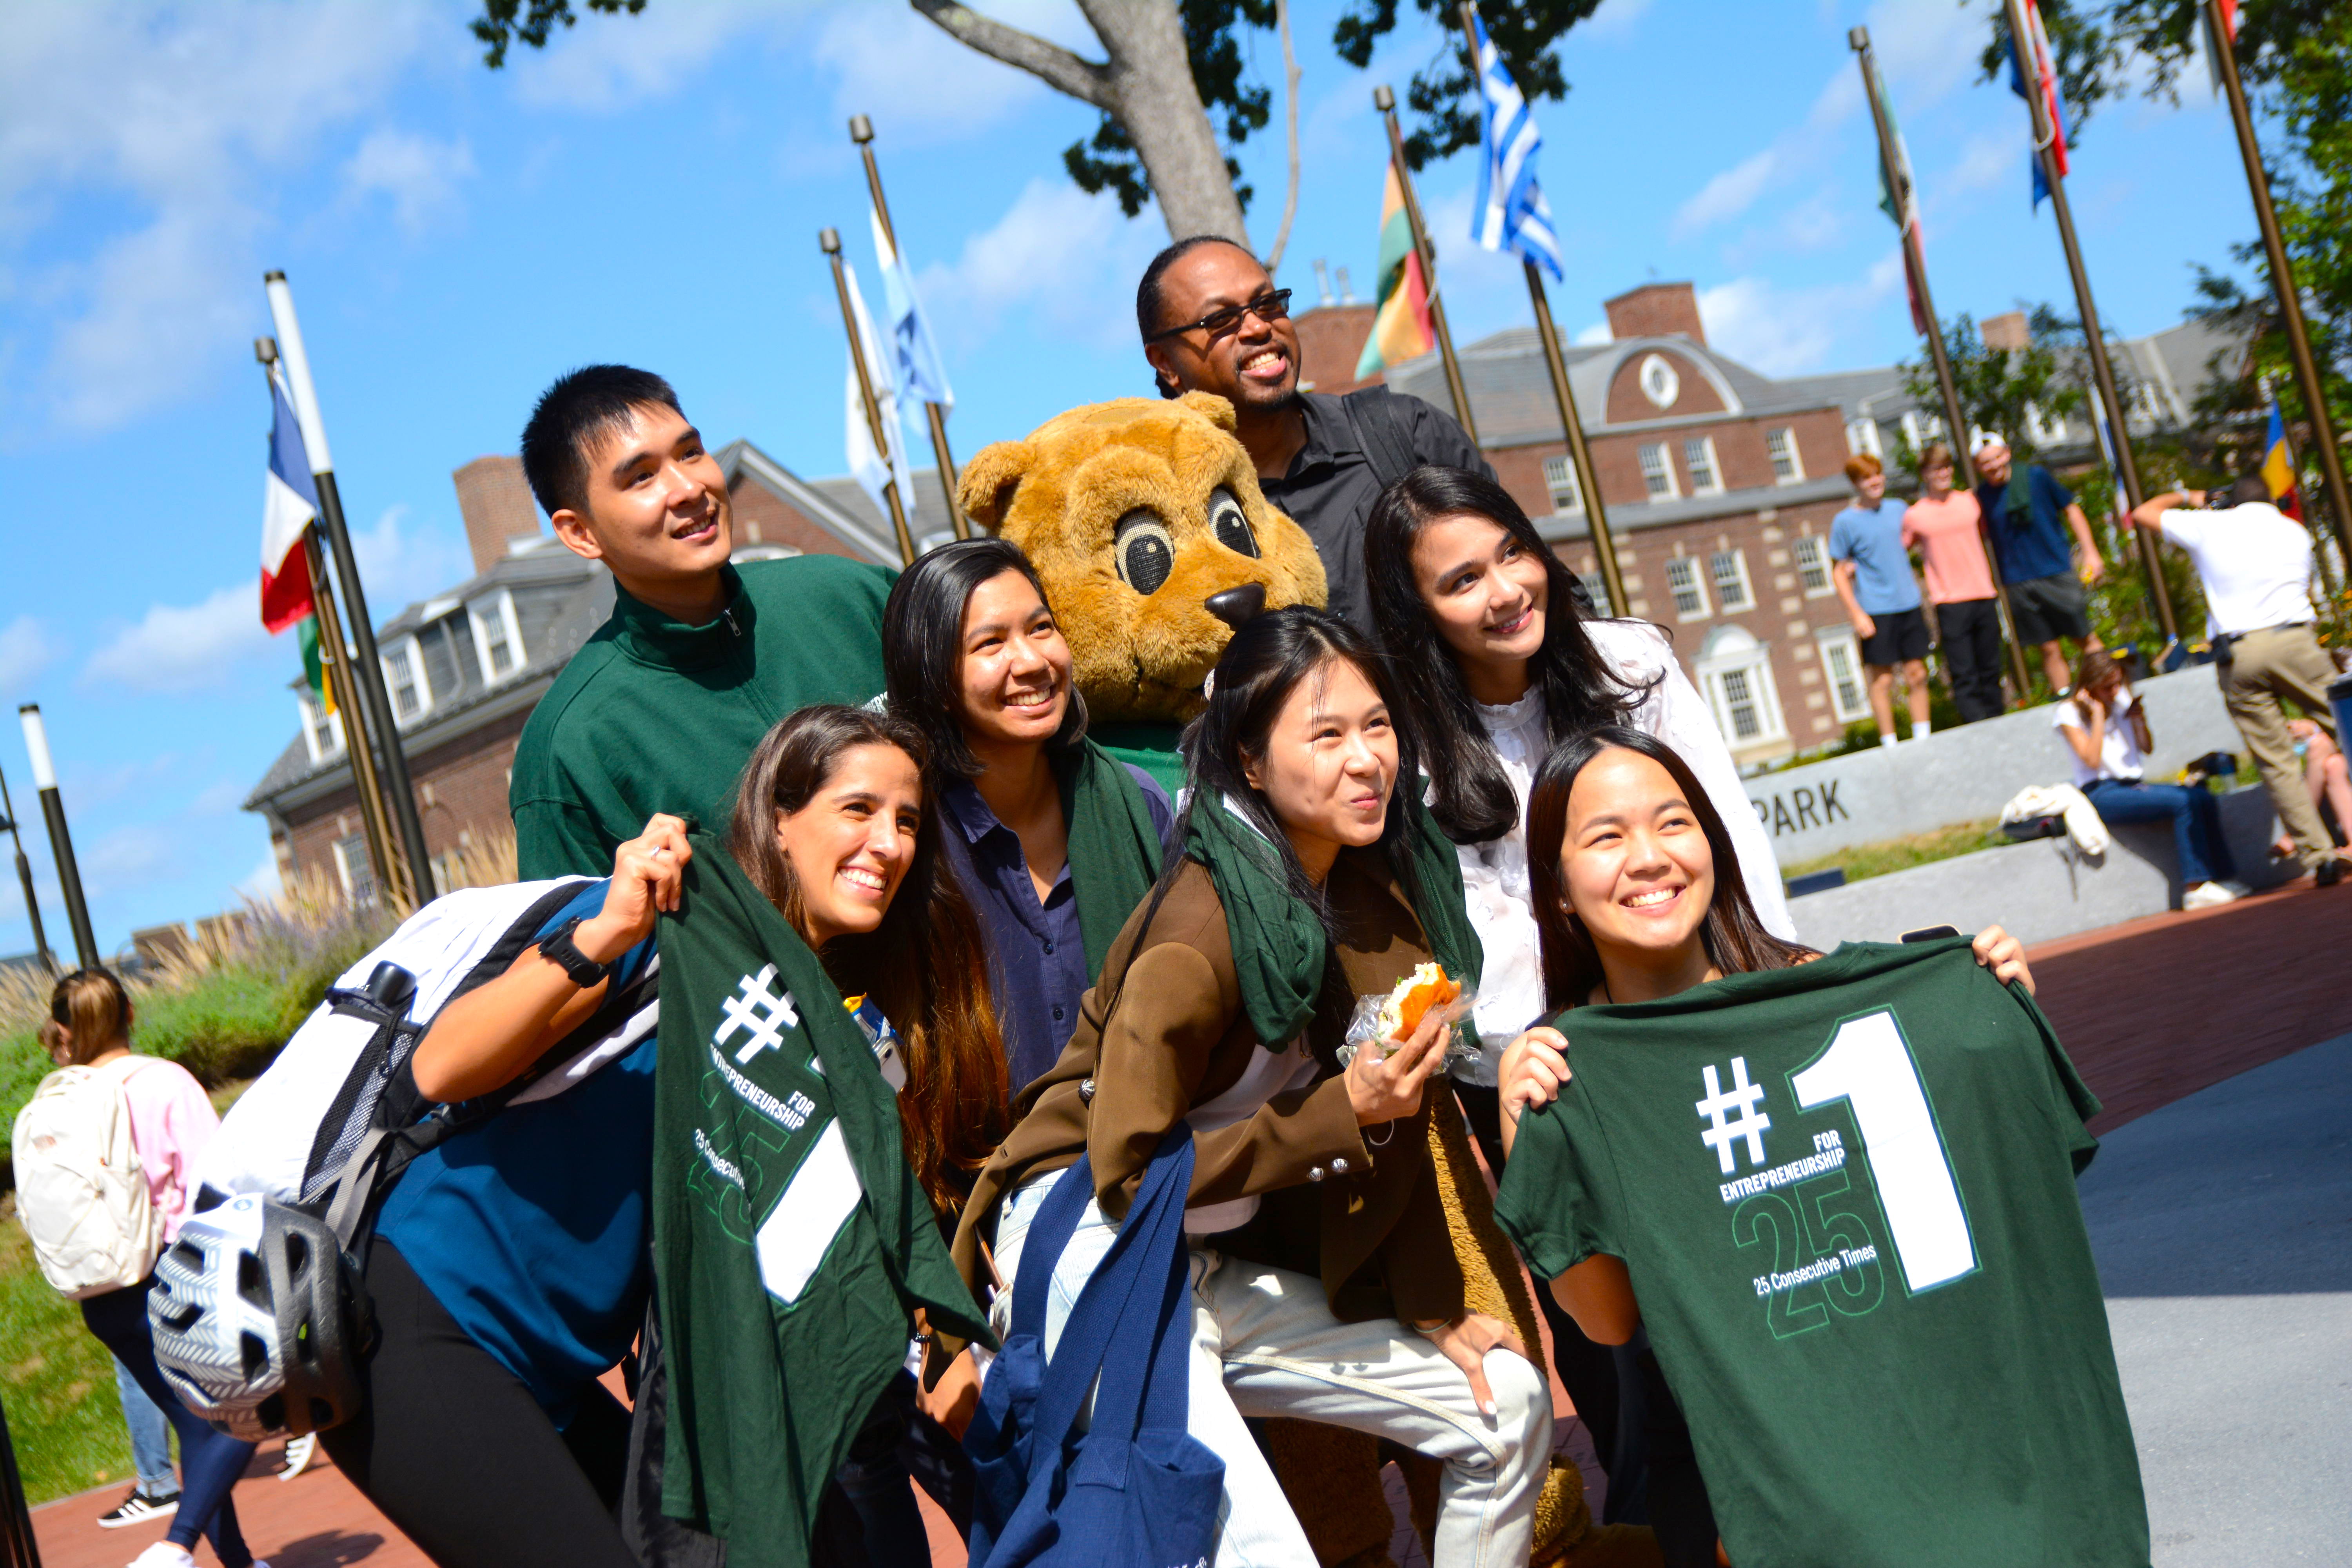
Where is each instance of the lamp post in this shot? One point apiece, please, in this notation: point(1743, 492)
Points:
point(53, 811)
point(24, 877)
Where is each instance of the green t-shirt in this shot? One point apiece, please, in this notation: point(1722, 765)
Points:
point(1845, 1196)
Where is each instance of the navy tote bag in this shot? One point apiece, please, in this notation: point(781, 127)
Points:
point(1135, 1488)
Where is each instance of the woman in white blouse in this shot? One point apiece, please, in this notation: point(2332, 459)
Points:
point(1498, 666)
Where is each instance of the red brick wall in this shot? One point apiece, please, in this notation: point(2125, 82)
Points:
point(461, 798)
point(1693, 395)
point(1330, 339)
point(763, 517)
point(1655, 311)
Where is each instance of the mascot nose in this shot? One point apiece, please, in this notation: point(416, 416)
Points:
point(1235, 606)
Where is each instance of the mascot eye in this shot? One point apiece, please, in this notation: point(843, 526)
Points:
point(1230, 523)
point(1146, 552)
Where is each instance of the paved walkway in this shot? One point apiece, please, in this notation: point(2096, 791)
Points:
point(2237, 1374)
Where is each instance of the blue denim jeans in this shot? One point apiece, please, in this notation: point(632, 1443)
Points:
point(151, 1435)
point(2196, 820)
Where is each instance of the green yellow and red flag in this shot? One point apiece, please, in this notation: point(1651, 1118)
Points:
point(1401, 328)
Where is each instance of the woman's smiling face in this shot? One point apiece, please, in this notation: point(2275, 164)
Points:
point(851, 845)
point(1330, 759)
point(1016, 666)
point(1486, 591)
point(1635, 863)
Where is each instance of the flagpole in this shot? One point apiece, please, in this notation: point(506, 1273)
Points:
point(1915, 261)
point(53, 811)
point(2299, 336)
point(2286, 439)
point(411, 881)
point(829, 242)
point(861, 131)
point(24, 877)
point(1385, 101)
point(2102, 371)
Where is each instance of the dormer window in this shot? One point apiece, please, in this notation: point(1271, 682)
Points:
point(322, 733)
point(497, 636)
point(405, 681)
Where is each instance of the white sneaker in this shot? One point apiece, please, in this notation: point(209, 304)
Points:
point(299, 1451)
point(2206, 895)
point(164, 1554)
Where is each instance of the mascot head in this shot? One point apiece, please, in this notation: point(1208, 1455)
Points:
point(1148, 530)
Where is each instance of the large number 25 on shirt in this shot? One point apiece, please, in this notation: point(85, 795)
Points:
point(1845, 1196)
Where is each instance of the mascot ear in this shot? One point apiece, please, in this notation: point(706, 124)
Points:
point(1218, 412)
point(990, 479)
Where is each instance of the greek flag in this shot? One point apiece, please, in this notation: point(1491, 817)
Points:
point(1510, 210)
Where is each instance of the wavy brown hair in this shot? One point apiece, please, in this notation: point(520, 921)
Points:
point(1736, 941)
point(924, 966)
point(90, 1014)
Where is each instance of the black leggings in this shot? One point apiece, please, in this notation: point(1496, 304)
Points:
point(455, 1452)
point(1972, 629)
point(211, 1461)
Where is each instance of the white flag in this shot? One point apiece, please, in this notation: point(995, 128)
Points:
point(920, 374)
point(874, 470)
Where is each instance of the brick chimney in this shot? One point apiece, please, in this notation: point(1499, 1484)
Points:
point(1331, 340)
point(498, 508)
point(1656, 311)
point(2007, 331)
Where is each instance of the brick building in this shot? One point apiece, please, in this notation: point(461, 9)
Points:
point(463, 669)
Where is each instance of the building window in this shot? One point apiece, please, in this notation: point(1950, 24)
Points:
point(1658, 471)
point(1861, 438)
point(1729, 568)
point(1780, 446)
point(354, 870)
point(1698, 457)
point(498, 638)
point(1813, 564)
point(1596, 588)
point(1918, 428)
point(405, 681)
point(1841, 663)
point(1690, 594)
point(1660, 384)
point(2045, 431)
point(322, 733)
point(1735, 672)
point(1559, 478)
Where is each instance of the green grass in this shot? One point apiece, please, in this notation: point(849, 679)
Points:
point(56, 1381)
point(1866, 860)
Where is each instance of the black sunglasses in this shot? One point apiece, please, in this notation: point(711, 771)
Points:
point(1270, 306)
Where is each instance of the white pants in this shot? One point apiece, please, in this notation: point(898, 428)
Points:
point(1264, 1343)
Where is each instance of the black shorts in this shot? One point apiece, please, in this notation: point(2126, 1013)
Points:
point(1902, 635)
point(2048, 609)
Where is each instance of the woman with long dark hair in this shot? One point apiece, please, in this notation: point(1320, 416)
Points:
point(1325, 1279)
point(1052, 839)
point(1638, 896)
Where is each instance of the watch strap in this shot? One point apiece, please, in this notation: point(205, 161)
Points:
point(558, 948)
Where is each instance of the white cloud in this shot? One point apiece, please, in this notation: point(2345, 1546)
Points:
point(607, 63)
point(262, 884)
point(1788, 331)
point(1614, 19)
point(25, 652)
point(1055, 245)
point(419, 175)
point(1727, 194)
point(400, 564)
point(175, 648)
point(1595, 336)
point(916, 82)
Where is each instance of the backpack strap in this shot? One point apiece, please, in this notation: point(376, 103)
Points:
point(1371, 413)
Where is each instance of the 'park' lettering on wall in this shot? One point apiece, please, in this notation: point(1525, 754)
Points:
point(1815, 808)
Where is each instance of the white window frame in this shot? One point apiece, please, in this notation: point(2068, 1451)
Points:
point(1597, 587)
point(350, 854)
point(315, 719)
point(412, 652)
point(1861, 438)
point(1696, 585)
point(1559, 479)
point(1779, 447)
point(2045, 431)
point(1835, 642)
point(1659, 383)
point(1742, 657)
point(1739, 559)
point(1698, 455)
point(477, 614)
point(1662, 473)
point(1812, 557)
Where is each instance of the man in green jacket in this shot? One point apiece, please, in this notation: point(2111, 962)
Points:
point(660, 710)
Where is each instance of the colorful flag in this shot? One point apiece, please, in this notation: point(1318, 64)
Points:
point(1900, 200)
point(290, 503)
point(915, 353)
point(875, 468)
point(1401, 327)
point(2278, 466)
point(2044, 77)
point(1510, 211)
point(2230, 19)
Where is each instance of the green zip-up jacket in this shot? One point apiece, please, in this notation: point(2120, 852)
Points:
point(656, 715)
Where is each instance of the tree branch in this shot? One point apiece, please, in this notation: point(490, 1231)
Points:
point(1050, 63)
point(1290, 116)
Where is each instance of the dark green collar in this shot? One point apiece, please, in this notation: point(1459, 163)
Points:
point(651, 637)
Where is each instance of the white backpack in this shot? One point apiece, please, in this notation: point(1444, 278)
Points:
point(81, 1191)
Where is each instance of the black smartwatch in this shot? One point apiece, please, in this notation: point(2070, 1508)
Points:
point(558, 948)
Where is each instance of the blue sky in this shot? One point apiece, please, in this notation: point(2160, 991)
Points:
point(650, 190)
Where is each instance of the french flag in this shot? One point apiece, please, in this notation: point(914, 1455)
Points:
point(289, 502)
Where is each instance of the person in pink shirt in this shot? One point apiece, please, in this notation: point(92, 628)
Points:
point(1947, 526)
point(171, 1122)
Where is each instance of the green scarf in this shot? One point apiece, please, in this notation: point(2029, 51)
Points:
point(779, 1170)
point(1279, 948)
point(1114, 848)
point(2017, 498)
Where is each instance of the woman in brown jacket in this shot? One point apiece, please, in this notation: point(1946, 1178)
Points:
point(1325, 1283)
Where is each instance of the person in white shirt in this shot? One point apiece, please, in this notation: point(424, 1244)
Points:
point(2108, 734)
point(1498, 666)
point(2257, 563)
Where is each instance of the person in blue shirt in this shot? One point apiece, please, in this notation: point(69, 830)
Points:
point(1872, 571)
point(2029, 515)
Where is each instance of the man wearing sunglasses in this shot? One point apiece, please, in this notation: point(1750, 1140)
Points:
point(1212, 321)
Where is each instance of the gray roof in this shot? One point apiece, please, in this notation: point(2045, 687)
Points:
point(837, 505)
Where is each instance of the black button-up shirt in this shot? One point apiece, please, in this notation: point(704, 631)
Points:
point(1037, 953)
point(1331, 486)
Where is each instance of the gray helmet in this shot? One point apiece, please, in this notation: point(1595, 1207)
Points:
point(259, 1319)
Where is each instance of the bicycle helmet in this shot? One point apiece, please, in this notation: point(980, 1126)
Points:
point(258, 1318)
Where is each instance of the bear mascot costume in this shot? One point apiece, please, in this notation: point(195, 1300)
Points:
point(1146, 524)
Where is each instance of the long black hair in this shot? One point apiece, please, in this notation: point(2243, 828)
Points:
point(923, 648)
point(1469, 794)
point(1737, 941)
